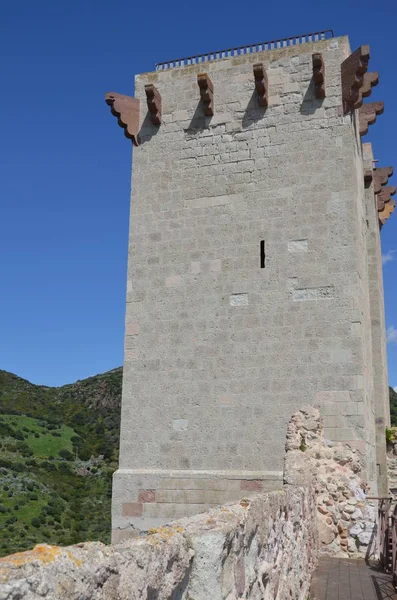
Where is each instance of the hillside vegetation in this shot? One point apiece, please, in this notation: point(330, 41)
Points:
point(58, 450)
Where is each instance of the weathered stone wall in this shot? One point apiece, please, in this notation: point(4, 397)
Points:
point(219, 351)
point(347, 519)
point(378, 328)
point(264, 547)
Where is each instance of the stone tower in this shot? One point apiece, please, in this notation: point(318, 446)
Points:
point(254, 273)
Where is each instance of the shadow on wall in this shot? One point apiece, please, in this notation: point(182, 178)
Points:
point(310, 103)
point(253, 112)
point(199, 121)
point(148, 130)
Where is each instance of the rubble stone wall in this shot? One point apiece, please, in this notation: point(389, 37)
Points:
point(346, 517)
point(262, 547)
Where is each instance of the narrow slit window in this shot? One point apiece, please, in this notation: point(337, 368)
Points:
point(262, 254)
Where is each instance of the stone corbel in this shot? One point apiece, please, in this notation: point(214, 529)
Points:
point(381, 177)
point(384, 197)
point(126, 109)
point(261, 84)
point(355, 83)
point(383, 193)
point(206, 93)
point(153, 99)
point(370, 81)
point(367, 115)
point(386, 212)
point(319, 75)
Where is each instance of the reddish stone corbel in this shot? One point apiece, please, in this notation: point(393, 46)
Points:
point(319, 75)
point(126, 109)
point(367, 115)
point(153, 99)
point(370, 81)
point(384, 196)
point(261, 84)
point(386, 212)
point(383, 193)
point(381, 177)
point(206, 93)
point(353, 70)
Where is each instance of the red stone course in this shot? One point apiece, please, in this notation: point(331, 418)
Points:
point(147, 496)
point(132, 509)
point(251, 485)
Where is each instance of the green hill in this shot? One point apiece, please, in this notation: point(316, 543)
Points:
point(58, 450)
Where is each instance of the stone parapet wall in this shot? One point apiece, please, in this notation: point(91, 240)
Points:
point(262, 547)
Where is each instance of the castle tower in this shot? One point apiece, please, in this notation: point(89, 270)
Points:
point(254, 275)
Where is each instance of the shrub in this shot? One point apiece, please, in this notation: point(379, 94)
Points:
point(390, 435)
point(36, 522)
point(65, 454)
point(2, 509)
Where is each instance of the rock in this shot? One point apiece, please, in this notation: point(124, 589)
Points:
point(326, 532)
point(349, 509)
point(351, 545)
point(322, 510)
point(352, 501)
point(356, 529)
point(365, 537)
point(357, 515)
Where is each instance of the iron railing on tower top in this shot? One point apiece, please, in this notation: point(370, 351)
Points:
point(250, 49)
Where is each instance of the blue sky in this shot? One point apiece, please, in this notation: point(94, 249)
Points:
point(65, 165)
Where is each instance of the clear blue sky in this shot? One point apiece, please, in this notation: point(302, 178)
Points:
point(65, 165)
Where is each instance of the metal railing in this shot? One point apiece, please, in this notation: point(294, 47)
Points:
point(384, 511)
point(387, 541)
point(250, 49)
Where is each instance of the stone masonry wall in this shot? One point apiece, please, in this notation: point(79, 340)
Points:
point(260, 548)
point(219, 351)
point(347, 519)
point(378, 328)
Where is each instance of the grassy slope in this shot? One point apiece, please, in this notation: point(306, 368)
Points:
point(50, 490)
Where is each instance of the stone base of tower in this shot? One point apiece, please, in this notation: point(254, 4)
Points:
point(147, 498)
